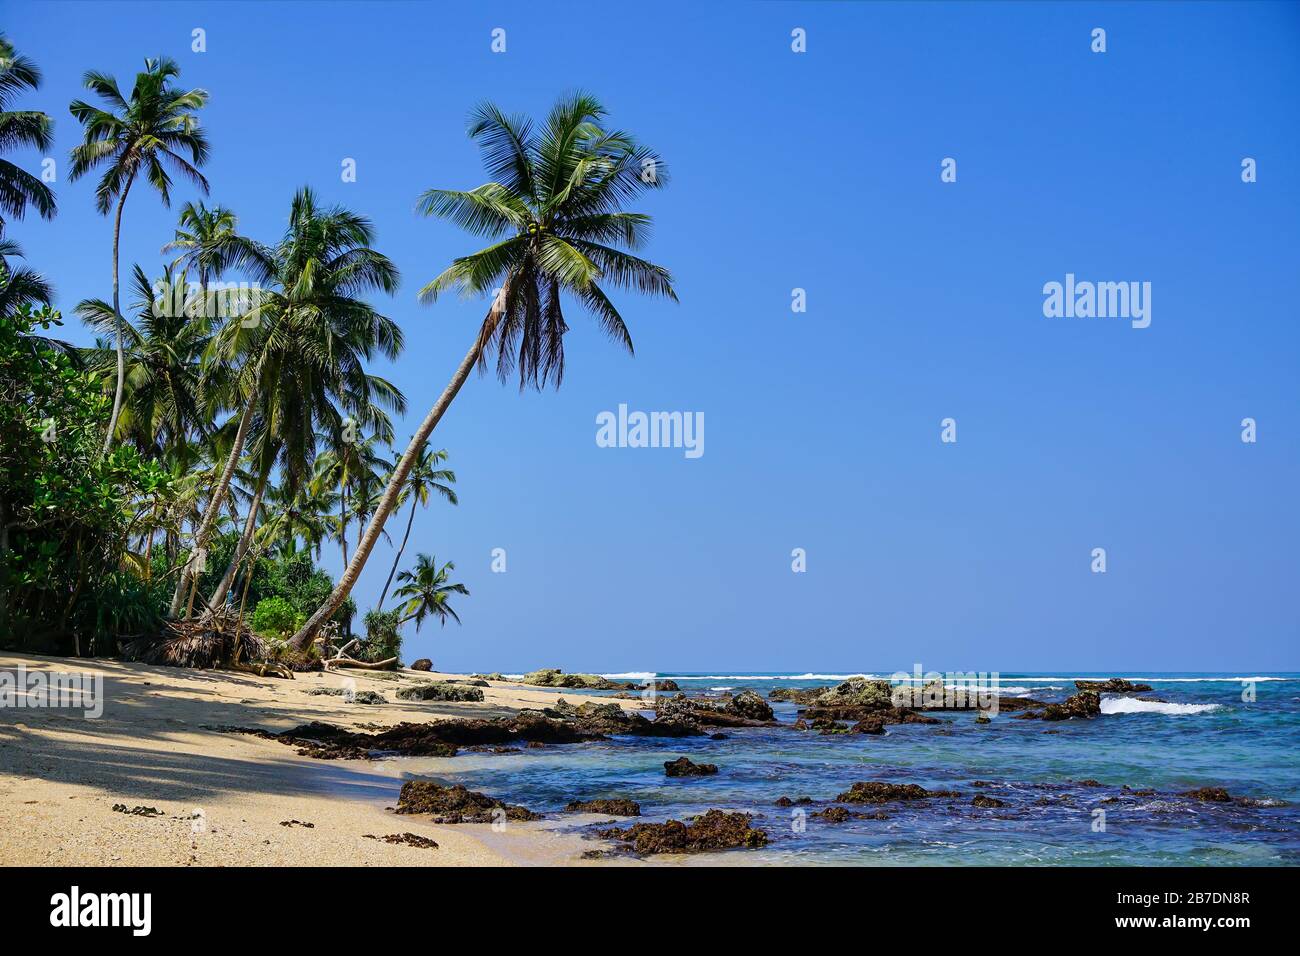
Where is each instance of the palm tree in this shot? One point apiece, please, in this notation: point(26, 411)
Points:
point(31, 128)
point(20, 287)
point(423, 479)
point(206, 239)
point(161, 405)
point(354, 466)
point(305, 343)
point(141, 136)
point(554, 213)
point(426, 590)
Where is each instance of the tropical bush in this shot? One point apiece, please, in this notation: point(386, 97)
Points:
point(274, 617)
point(383, 640)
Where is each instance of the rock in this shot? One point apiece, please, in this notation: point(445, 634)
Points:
point(982, 719)
point(440, 690)
point(368, 697)
point(833, 814)
point(1085, 704)
point(859, 692)
point(407, 839)
point(874, 791)
point(660, 686)
point(616, 807)
point(682, 767)
point(327, 692)
point(718, 736)
point(456, 804)
point(492, 676)
point(797, 695)
point(700, 713)
point(423, 664)
point(1208, 795)
point(983, 801)
point(1114, 685)
point(553, 677)
point(749, 705)
point(868, 725)
point(787, 802)
point(714, 830)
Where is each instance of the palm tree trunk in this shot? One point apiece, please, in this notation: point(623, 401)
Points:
point(117, 320)
point(389, 500)
point(409, 521)
point(343, 521)
point(214, 506)
point(228, 579)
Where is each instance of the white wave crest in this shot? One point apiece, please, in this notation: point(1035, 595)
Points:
point(1127, 705)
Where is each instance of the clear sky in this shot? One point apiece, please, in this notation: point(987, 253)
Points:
point(819, 171)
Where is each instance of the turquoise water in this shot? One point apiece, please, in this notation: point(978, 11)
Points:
point(1203, 735)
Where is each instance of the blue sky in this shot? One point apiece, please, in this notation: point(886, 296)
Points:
point(818, 171)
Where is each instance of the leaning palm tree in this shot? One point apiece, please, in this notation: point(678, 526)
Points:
point(302, 348)
point(18, 128)
point(554, 212)
point(423, 480)
point(142, 136)
point(426, 590)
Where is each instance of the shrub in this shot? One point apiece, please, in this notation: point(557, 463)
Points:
point(274, 617)
point(382, 638)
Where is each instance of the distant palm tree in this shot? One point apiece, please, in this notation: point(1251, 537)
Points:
point(426, 590)
point(140, 136)
point(20, 287)
point(161, 405)
point(31, 128)
point(554, 213)
point(206, 239)
point(423, 479)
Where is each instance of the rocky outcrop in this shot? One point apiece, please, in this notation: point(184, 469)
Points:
point(457, 804)
point(714, 830)
point(553, 677)
point(562, 724)
point(797, 695)
point(440, 690)
point(615, 808)
point(1085, 704)
point(1114, 685)
point(750, 706)
point(368, 697)
point(492, 676)
point(423, 664)
point(982, 801)
point(875, 791)
point(682, 767)
point(660, 685)
point(787, 802)
point(701, 713)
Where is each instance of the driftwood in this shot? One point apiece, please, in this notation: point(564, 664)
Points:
point(217, 640)
point(344, 661)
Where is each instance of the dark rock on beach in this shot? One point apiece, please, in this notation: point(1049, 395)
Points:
point(682, 767)
point(553, 677)
point(615, 807)
point(456, 804)
point(423, 664)
point(714, 830)
point(406, 839)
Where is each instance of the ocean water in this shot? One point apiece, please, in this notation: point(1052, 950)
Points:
point(1201, 733)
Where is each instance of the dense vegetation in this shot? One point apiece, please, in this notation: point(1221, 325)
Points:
point(226, 426)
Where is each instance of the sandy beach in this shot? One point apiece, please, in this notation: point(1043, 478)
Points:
point(230, 799)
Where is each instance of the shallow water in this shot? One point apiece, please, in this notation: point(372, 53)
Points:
point(1201, 734)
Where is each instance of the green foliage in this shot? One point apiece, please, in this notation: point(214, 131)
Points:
point(274, 617)
point(382, 637)
point(67, 512)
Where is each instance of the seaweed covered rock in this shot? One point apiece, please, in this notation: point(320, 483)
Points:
point(423, 664)
point(1113, 685)
point(1085, 704)
point(493, 676)
point(457, 804)
point(714, 830)
point(661, 685)
point(982, 801)
point(797, 695)
point(749, 705)
point(859, 692)
point(682, 767)
point(1208, 795)
point(440, 690)
point(614, 807)
point(685, 710)
point(554, 677)
point(368, 697)
point(875, 791)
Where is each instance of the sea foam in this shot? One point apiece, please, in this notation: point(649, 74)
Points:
point(1127, 705)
